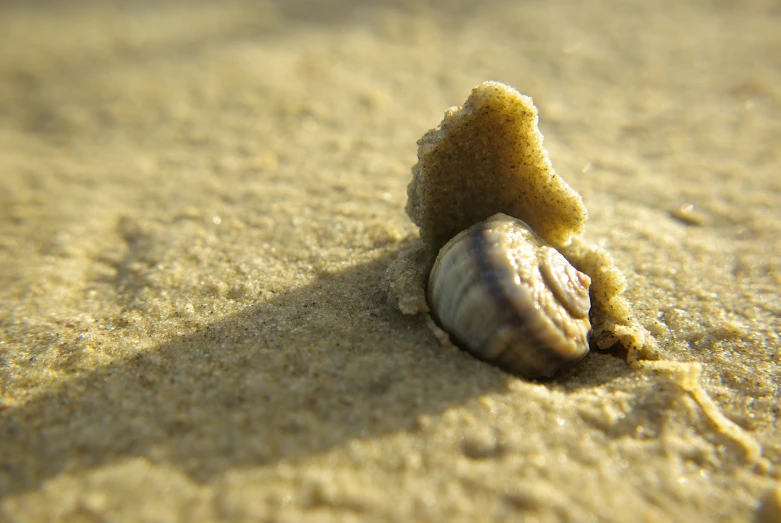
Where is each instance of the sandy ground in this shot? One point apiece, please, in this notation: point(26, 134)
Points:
point(198, 202)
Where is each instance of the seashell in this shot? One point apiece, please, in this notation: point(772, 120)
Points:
point(501, 292)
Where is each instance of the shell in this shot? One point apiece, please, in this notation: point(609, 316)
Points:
point(509, 298)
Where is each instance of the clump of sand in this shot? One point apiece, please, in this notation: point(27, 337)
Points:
point(488, 157)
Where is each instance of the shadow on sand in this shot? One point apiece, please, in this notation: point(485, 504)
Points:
point(298, 374)
point(295, 375)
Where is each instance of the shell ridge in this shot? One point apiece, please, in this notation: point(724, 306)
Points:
point(490, 292)
point(514, 308)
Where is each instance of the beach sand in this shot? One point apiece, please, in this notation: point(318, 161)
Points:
point(198, 204)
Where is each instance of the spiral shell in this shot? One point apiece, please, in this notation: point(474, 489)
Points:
point(508, 297)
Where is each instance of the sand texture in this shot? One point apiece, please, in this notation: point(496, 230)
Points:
point(198, 205)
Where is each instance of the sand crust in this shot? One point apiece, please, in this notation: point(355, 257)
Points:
point(488, 157)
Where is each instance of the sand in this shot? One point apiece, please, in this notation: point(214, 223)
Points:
point(198, 203)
